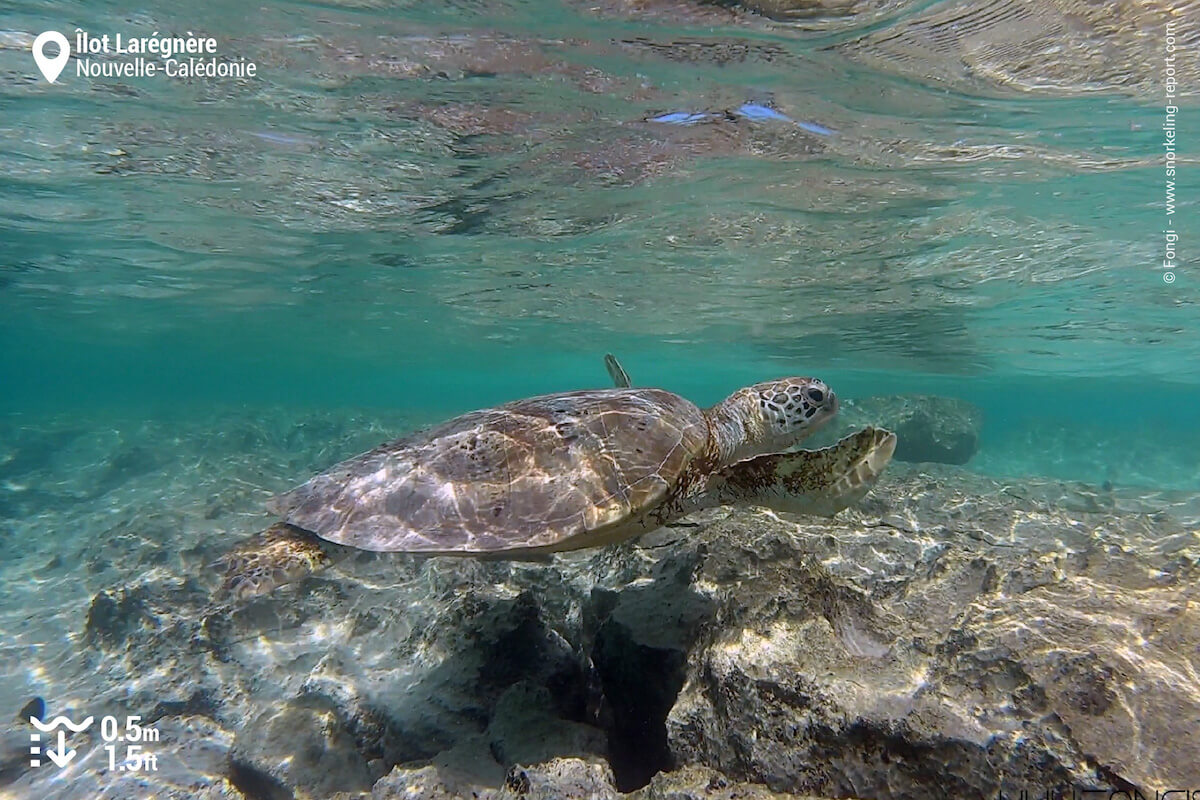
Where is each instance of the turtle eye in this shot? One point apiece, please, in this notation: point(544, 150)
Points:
point(816, 395)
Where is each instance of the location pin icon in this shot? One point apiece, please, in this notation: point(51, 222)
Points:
point(51, 67)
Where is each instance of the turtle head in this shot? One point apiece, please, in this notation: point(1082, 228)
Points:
point(771, 417)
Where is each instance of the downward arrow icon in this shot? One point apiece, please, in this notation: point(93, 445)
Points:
point(62, 756)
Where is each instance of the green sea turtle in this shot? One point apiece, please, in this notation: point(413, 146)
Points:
point(562, 472)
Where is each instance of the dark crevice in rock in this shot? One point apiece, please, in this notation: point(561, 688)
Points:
point(640, 686)
point(254, 784)
point(518, 645)
point(640, 641)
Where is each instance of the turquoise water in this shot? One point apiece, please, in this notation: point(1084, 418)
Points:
point(437, 207)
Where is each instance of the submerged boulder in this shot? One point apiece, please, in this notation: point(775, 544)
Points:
point(990, 646)
point(928, 428)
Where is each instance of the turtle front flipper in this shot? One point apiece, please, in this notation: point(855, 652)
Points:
point(269, 559)
point(620, 377)
point(820, 482)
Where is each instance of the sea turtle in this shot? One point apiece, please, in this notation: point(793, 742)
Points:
point(562, 472)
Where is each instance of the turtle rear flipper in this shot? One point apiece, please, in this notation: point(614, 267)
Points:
point(820, 482)
point(279, 555)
